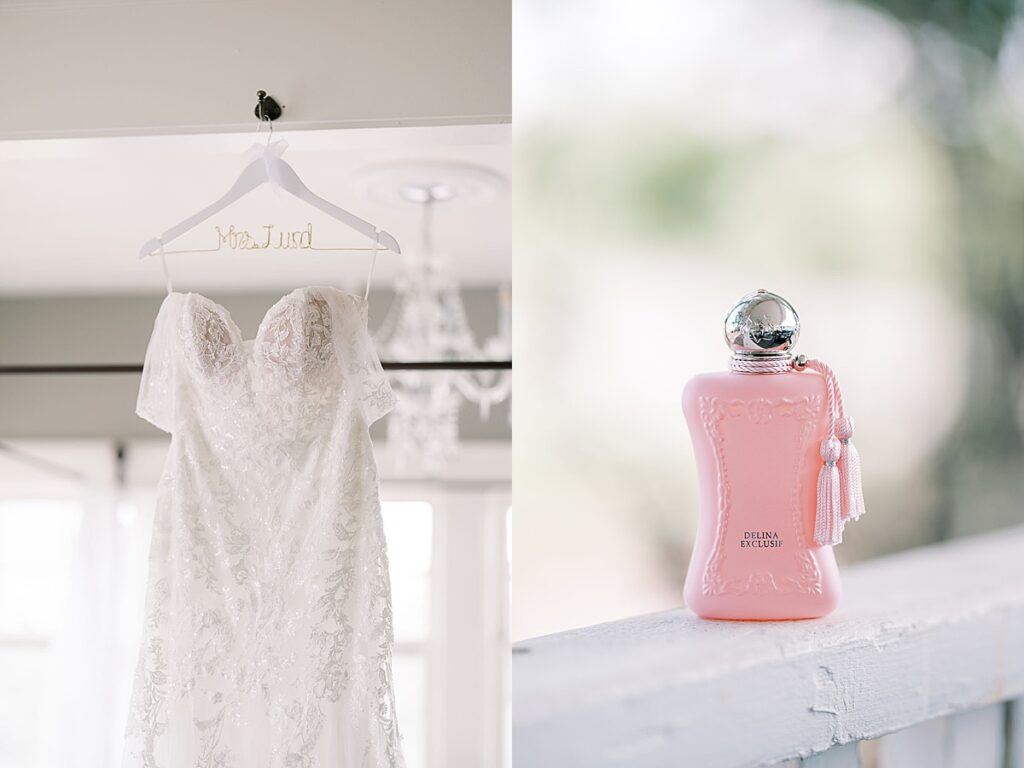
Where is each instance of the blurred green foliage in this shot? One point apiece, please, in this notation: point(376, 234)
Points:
point(669, 190)
point(979, 466)
point(980, 24)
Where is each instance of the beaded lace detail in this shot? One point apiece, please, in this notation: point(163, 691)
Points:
point(267, 638)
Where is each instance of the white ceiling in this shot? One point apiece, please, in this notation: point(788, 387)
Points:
point(74, 212)
point(75, 68)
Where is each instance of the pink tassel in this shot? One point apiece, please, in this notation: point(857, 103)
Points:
point(828, 527)
point(849, 471)
point(840, 495)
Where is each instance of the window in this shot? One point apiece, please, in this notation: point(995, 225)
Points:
point(72, 585)
point(38, 541)
point(408, 526)
point(36, 544)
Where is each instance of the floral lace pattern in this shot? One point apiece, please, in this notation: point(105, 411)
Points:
point(267, 640)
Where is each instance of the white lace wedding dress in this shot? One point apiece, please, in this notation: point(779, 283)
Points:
point(267, 640)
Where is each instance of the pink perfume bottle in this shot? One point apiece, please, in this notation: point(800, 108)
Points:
point(768, 437)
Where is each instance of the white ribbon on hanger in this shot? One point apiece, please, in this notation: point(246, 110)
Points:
point(267, 152)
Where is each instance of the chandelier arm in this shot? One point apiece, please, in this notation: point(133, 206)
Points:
point(471, 388)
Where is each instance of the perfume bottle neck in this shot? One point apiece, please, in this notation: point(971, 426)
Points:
point(761, 363)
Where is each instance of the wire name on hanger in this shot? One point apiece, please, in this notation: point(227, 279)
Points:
point(237, 239)
point(267, 237)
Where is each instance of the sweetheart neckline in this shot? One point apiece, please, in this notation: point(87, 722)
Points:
point(227, 317)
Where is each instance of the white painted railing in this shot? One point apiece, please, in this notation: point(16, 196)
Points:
point(925, 655)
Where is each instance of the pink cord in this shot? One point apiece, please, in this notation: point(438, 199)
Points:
point(836, 410)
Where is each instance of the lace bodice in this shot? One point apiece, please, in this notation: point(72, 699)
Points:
point(267, 641)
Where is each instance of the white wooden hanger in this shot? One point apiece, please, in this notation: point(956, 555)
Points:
point(268, 167)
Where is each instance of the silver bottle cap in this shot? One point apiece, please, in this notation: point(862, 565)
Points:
point(762, 324)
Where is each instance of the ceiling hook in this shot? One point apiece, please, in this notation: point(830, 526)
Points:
point(267, 107)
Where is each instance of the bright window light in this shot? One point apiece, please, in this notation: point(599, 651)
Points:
point(408, 527)
point(36, 539)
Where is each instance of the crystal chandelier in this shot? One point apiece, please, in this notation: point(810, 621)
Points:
point(427, 321)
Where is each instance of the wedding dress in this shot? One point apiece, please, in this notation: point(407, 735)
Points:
point(267, 639)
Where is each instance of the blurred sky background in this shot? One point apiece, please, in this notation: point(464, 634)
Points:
point(864, 160)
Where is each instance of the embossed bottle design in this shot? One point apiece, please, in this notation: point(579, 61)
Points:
point(766, 444)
